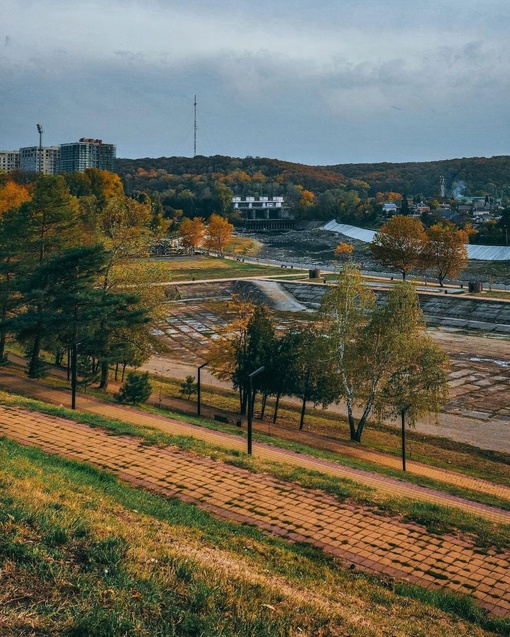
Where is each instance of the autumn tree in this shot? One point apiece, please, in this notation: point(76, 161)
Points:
point(400, 244)
point(219, 231)
point(344, 251)
point(192, 233)
point(243, 346)
point(12, 195)
point(384, 358)
point(123, 228)
point(445, 251)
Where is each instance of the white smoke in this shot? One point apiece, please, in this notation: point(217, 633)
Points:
point(458, 188)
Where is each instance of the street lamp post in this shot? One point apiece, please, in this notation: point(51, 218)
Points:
point(250, 408)
point(403, 414)
point(198, 385)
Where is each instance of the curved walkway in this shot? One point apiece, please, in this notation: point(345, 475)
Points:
point(353, 533)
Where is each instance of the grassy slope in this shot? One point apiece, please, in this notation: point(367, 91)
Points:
point(82, 554)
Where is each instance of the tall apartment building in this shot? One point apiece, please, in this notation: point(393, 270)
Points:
point(9, 160)
point(87, 153)
point(39, 160)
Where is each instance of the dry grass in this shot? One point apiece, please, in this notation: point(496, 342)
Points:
point(82, 554)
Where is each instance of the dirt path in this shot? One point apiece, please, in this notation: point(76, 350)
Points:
point(373, 543)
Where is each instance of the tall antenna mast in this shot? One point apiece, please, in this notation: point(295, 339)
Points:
point(195, 127)
point(40, 162)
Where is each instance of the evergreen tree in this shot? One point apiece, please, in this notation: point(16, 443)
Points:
point(136, 390)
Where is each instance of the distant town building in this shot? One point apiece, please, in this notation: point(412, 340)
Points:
point(389, 208)
point(44, 160)
point(269, 213)
point(87, 153)
point(9, 160)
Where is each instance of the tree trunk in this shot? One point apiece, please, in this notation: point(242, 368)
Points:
point(263, 406)
point(103, 382)
point(302, 419)
point(34, 367)
point(243, 394)
point(3, 357)
point(116, 371)
point(276, 405)
point(123, 371)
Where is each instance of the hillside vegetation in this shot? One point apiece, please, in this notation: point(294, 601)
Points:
point(85, 555)
point(199, 183)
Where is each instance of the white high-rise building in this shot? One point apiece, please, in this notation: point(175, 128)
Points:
point(9, 160)
point(87, 153)
point(39, 160)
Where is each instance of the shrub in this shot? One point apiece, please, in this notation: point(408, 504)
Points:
point(136, 389)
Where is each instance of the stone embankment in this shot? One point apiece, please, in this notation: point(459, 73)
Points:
point(441, 310)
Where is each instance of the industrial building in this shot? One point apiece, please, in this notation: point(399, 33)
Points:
point(263, 213)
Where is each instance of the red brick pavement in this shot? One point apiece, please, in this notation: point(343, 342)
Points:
point(373, 543)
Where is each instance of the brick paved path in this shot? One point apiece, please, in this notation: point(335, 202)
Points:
point(372, 542)
point(388, 486)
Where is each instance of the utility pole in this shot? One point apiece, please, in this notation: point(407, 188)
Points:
point(195, 127)
point(39, 168)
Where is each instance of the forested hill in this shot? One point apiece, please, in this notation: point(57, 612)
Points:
point(468, 176)
point(245, 176)
point(256, 176)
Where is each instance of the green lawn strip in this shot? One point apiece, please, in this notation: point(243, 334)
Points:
point(435, 451)
point(84, 554)
point(485, 533)
point(428, 449)
point(213, 268)
point(154, 436)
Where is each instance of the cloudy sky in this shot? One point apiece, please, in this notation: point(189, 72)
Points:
point(333, 81)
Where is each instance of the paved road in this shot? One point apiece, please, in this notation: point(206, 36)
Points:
point(354, 534)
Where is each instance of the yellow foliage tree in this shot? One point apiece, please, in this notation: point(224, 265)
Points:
point(445, 250)
point(400, 244)
point(219, 231)
point(12, 195)
point(343, 250)
point(192, 233)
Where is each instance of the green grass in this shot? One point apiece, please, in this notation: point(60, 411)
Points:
point(434, 518)
point(83, 554)
point(203, 267)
